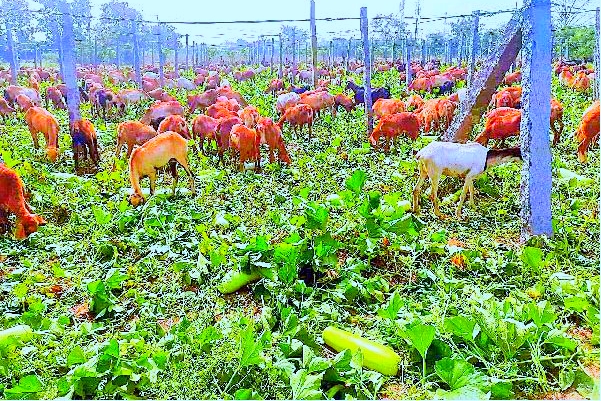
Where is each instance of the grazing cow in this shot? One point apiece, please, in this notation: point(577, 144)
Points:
point(132, 133)
point(274, 86)
point(54, 95)
point(343, 101)
point(202, 101)
point(83, 136)
point(246, 142)
point(319, 101)
point(501, 123)
point(512, 78)
point(40, 120)
point(11, 93)
point(224, 130)
point(204, 127)
point(12, 200)
point(556, 120)
point(588, 130)
point(24, 102)
point(393, 125)
point(271, 134)
point(5, 109)
point(377, 93)
point(156, 153)
point(175, 123)
point(158, 111)
point(286, 100)
point(383, 107)
point(297, 116)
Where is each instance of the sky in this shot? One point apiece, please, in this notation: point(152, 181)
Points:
point(228, 10)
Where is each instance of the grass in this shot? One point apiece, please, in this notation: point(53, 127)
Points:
point(123, 301)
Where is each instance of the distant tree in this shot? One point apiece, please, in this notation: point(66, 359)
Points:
point(16, 11)
point(386, 27)
point(568, 12)
point(580, 41)
point(288, 32)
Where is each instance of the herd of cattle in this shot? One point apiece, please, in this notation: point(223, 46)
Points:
point(230, 125)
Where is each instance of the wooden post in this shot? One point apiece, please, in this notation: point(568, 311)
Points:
point(134, 29)
point(536, 112)
point(459, 48)
point(485, 82)
point(69, 72)
point(187, 50)
point(423, 51)
point(175, 60)
point(11, 53)
point(598, 55)
point(294, 67)
point(597, 91)
point(272, 51)
point(367, 80)
point(348, 54)
point(408, 77)
point(306, 54)
point(264, 51)
point(95, 50)
point(314, 44)
point(475, 48)
point(193, 54)
point(331, 54)
point(118, 52)
point(281, 70)
point(161, 55)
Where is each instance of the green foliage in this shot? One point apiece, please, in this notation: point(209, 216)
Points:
point(580, 41)
point(334, 242)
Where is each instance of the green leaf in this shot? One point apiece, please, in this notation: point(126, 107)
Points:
point(532, 257)
point(100, 215)
point(556, 337)
point(313, 363)
point(461, 326)
point(306, 386)
point(115, 278)
point(247, 394)
point(316, 215)
point(541, 313)
point(577, 303)
point(420, 336)
point(27, 384)
point(250, 350)
point(356, 181)
point(207, 337)
point(566, 377)
point(76, 356)
point(454, 372)
point(501, 391)
point(392, 308)
point(586, 385)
